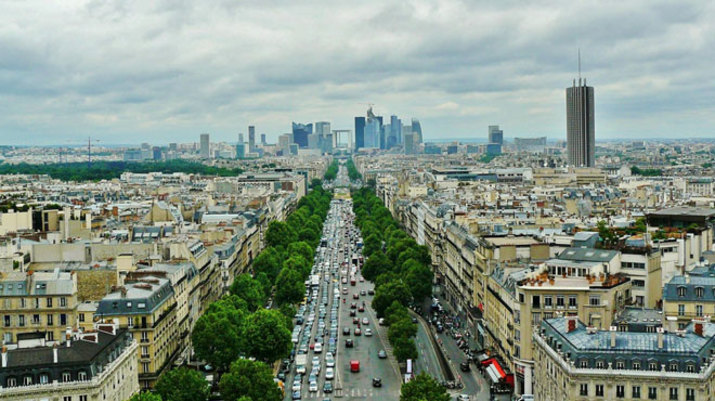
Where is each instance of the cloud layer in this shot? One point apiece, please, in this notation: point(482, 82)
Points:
point(165, 71)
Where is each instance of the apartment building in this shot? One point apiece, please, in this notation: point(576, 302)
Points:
point(147, 308)
point(577, 362)
point(43, 302)
point(690, 296)
point(96, 365)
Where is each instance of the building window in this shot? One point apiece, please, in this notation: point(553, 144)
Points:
point(7, 321)
point(130, 321)
point(620, 365)
point(584, 364)
point(37, 303)
point(535, 301)
point(521, 297)
point(690, 394)
point(699, 292)
point(584, 389)
point(49, 302)
point(699, 310)
point(44, 379)
point(82, 398)
point(81, 317)
point(690, 368)
point(35, 319)
point(572, 302)
point(681, 310)
point(67, 398)
point(63, 319)
point(145, 367)
point(652, 393)
point(63, 302)
point(560, 301)
point(673, 367)
point(653, 366)
point(620, 391)
point(636, 392)
point(673, 393)
point(50, 321)
point(50, 335)
point(23, 303)
point(599, 364)
point(27, 380)
point(11, 382)
point(682, 291)
point(66, 376)
point(22, 320)
point(599, 390)
point(636, 366)
point(82, 375)
point(594, 300)
point(536, 318)
point(548, 302)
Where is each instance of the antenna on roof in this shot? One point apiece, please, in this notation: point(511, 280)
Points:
point(579, 66)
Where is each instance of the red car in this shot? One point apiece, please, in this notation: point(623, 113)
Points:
point(353, 305)
point(356, 296)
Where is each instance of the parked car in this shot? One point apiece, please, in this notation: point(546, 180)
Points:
point(382, 354)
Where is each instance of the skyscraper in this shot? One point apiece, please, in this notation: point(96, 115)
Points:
point(300, 134)
point(263, 139)
point(359, 132)
point(417, 129)
point(251, 138)
point(395, 136)
point(496, 135)
point(373, 130)
point(205, 146)
point(580, 125)
point(240, 138)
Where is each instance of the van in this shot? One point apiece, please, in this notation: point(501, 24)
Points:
point(354, 366)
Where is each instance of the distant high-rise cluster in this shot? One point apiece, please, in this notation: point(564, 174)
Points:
point(580, 125)
point(370, 132)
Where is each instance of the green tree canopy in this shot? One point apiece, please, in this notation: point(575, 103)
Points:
point(145, 396)
point(182, 384)
point(217, 339)
point(267, 336)
point(375, 265)
point(386, 294)
point(289, 287)
point(280, 234)
point(301, 248)
point(423, 388)
point(418, 278)
point(250, 290)
point(251, 379)
point(268, 262)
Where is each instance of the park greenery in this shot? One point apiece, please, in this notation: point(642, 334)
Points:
point(646, 172)
point(107, 170)
point(423, 388)
point(237, 328)
point(399, 267)
point(353, 174)
point(146, 396)
point(182, 384)
point(332, 171)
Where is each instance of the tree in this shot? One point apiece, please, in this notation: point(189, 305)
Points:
point(315, 183)
point(145, 396)
point(386, 294)
point(423, 388)
point(268, 262)
point(375, 265)
point(217, 339)
point(182, 384)
point(280, 233)
point(301, 248)
point(418, 278)
point(250, 290)
point(372, 244)
point(289, 287)
point(267, 336)
point(404, 348)
point(299, 264)
point(395, 312)
point(251, 379)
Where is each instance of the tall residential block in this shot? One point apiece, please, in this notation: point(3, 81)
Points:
point(580, 125)
point(205, 146)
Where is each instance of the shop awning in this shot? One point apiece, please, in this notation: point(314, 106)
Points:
point(493, 374)
point(494, 369)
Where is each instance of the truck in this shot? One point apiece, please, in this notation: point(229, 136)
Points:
point(300, 363)
point(354, 365)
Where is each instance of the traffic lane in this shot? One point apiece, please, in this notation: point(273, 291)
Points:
point(427, 361)
point(473, 382)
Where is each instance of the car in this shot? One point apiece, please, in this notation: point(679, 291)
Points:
point(414, 320)
point(382, 354)
point(329, 374)
point(328, 387)
point(313, 387)
point(353, 305)
point(368, 333)
point(348, 343)
point(357, 331)
point(362, 280)
point(362, 292)
point(296, 385)
point(356, 296)
point(353, 313)
point(312, 378)
point(365, 321)
point(345, 291)
point(312, 346)
point(464, 367)
point(281, 376)
point(329, 359)
point(356, 320)
point(296, 395)
point(381, 321)
point(370, 292)
point(346, 331)
point(376, 382)
point(361, 309)
point(318, 348)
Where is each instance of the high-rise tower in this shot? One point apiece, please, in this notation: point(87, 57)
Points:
point(205, 146)
point(580, 123)
point(251, 138)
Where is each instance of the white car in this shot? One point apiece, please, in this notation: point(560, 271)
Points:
point(368, 333)
point(329, 374)
point(329, 360)
point(318, 348)
point(313, 387)
point(296, 386)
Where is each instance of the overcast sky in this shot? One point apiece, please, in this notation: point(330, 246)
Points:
point(165, 71)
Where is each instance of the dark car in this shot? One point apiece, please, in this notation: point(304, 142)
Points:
point(328, 387)
point(376, 382)
point(414, 320)
point(464, 366)
point(348, 343)
point(361, 309)
point(353, 313)
point(353, 305)
point(370, 292)
point(346, 330)
point(356, 296)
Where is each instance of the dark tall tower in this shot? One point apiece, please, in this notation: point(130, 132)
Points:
point(300, 134)
point(580, 125)
point(359, 132)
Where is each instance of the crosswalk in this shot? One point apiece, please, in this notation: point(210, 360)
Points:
point(366, 393)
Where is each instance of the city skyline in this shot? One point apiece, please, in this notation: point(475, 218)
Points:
point(171, 73)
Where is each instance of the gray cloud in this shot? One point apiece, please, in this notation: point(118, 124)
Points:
point(168, 70)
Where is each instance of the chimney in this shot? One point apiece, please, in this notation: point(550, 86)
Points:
point(4, 357)
point(68, 336)
point(571, 324)
point(55, 354)
point(660, 337)
point(613, 330)
point(698, 325)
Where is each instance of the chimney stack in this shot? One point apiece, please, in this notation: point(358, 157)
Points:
point(571, 323)
point(613, 330)
point(660, 337)
point(55, 355)
point(4, 357)
point(68, 336)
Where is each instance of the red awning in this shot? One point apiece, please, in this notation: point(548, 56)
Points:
point(481, 307)
point(497, 367)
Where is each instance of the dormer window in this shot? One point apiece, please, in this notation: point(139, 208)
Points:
point(699, 292)
point(682, 291)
